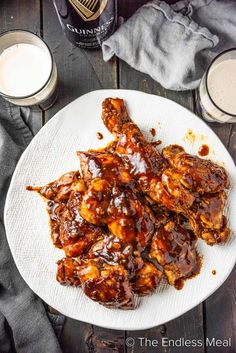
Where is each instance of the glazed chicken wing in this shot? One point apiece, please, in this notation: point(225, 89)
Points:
point(197, 174)
point(146, 164)
point(146, 280)
point(121, 210)
point(170, 192)
point(144, 161)
point(76, 234)
point(175, 249)
point(60, 189)
point(112, 251)
point(106, 166)
point(69, 230)
point(67, 272)
point(107, 284)
point(207, 220)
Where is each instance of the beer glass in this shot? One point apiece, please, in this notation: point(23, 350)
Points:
point(45, 95)
point(217, 90)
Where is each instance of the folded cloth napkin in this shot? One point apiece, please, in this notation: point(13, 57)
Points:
point(175, 44)
point(24, 324)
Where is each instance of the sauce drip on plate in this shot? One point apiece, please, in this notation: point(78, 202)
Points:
point(203, 150)
point(99, 135)
point(156, 143)
point(153, 132)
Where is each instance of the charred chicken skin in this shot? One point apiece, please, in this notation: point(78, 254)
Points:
point(133, 215)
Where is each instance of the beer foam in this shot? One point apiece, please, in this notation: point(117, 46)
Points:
point(222, 85)
point(24, 69)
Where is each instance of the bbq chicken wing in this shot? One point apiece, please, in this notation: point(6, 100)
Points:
point(107, 284)
point(174, 248)
point(121, 210)
point(170, 192)
point(67, 272)
point(144, 161)
point(60, 189)
point(146, 280)
point(207, 219)
point(115, 115)
point(112, 251)
point(106, 166)
point(69, 230)
point(76, 234)
point(146, 164)
point(197, 174)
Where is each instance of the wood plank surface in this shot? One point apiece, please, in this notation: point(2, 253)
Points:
point(14, 15)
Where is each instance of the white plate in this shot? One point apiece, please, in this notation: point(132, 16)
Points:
point(52, 153)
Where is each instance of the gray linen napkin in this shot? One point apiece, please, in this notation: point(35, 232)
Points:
point(175, 44)
point(24, 324)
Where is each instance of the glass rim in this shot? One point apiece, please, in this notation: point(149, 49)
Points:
point(51, 70)
point(207, 73)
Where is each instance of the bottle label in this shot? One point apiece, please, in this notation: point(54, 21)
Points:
point(89, 10)
point(87, 23)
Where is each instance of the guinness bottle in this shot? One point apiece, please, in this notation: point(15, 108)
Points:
point(87, 23)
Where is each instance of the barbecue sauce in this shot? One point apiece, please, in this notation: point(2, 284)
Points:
point(203, 150)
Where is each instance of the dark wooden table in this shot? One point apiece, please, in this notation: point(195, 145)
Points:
point(82, 71)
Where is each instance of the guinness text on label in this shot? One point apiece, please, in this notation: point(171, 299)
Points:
point(87, 23)
point(92, 31)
